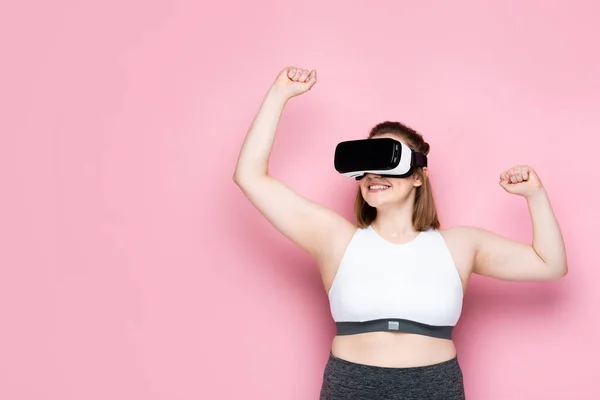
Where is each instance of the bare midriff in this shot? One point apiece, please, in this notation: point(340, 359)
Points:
point(393, 349)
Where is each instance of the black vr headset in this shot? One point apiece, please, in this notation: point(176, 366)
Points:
point(385, 157)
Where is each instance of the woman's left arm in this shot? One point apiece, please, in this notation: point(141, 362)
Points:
point(545, 259)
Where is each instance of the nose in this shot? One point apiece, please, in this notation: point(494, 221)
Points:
point(369, 174)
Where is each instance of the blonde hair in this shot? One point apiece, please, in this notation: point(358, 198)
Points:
point(424, 214)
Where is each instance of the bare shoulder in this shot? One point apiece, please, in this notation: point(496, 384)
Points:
point(330, 258)
point(461, 242)
point(460, 233)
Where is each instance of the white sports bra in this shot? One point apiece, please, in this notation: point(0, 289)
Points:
point(411, 287)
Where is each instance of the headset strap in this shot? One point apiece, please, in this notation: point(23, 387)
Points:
point(419, 159)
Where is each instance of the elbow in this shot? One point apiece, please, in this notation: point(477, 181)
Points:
point(244, 179)
point(559, 272)
point(238, 177)
point(564, 271)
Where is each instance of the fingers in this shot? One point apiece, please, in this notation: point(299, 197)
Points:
point(304, 76)
point(525, 175)
point(516, 174)
point(291, 72)
point(297, 74)
point(312, 78)
point(301, 75)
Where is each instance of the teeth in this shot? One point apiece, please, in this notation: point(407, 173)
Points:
point(377, 187)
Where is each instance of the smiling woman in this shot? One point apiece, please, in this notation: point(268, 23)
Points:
point(424, 214)
point(395, 280)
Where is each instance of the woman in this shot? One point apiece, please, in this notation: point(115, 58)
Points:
point(395, 280)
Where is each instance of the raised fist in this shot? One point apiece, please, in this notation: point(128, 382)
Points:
point(521, 180)
point(294, 81)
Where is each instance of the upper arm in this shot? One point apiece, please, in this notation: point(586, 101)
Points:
point(506, 259)
point(311, 226)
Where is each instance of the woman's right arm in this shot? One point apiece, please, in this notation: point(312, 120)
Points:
point(314, 228)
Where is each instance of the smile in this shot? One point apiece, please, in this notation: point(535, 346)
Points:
point(378, 187)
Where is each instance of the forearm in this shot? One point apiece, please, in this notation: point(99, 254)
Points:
point(253, 159)
point(547, 238)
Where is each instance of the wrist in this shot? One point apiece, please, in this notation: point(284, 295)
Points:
point(536, 194)
point(278, 94)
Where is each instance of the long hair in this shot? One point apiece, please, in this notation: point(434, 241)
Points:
point(425, 214)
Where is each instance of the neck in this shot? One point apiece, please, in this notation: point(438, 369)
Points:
point(395, 222)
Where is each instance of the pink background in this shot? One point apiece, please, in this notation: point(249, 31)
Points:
point(133, 268)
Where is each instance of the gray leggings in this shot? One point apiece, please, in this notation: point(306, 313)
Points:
point(351, 381)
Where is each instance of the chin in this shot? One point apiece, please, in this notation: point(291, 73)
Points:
point(374, 204)
point(375, 200)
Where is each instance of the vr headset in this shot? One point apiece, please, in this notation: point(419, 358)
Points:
point(385, 157)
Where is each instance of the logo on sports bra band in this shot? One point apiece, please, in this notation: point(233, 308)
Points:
point(393, 325)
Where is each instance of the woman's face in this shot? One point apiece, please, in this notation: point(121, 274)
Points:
point(380, 191)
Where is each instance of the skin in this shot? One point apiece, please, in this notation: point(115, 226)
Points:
point(324, 234)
